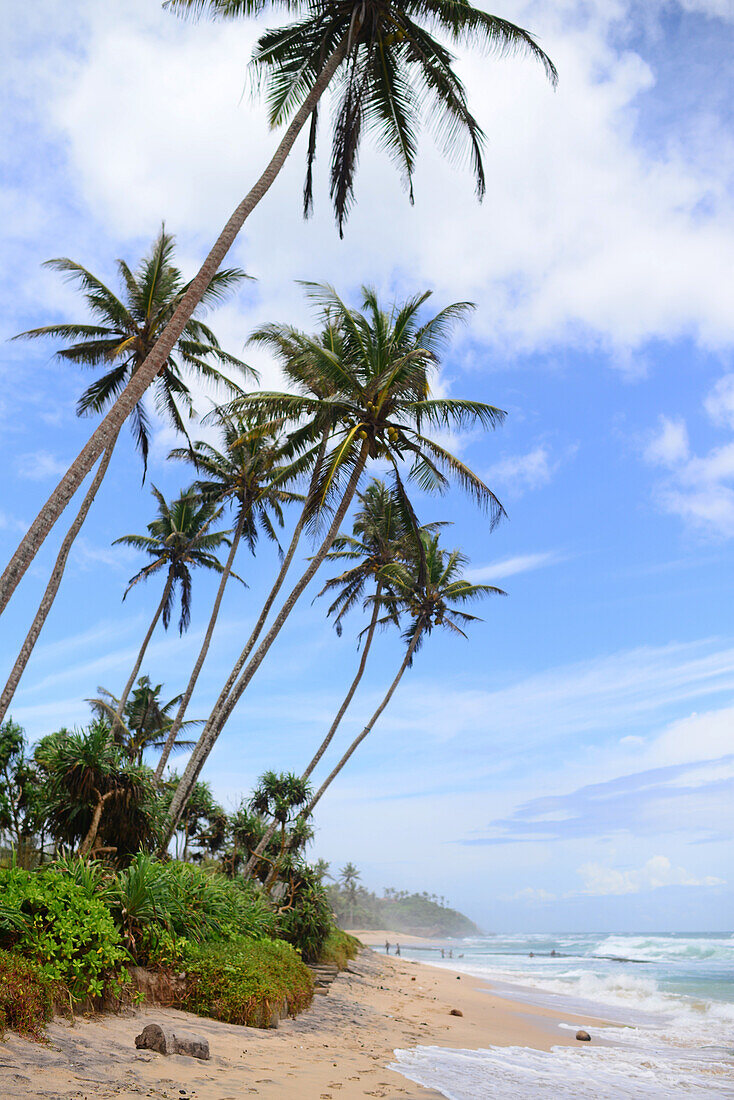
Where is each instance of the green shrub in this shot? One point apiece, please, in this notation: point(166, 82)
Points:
point(307, 921)
point(162, 907)
point(243, 980)
point(339, 948)
point(26, 996)
point(69, 932)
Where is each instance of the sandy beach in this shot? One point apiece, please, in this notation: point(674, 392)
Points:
point(339, 1048)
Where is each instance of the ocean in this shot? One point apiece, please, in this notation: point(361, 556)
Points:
point(670, 995)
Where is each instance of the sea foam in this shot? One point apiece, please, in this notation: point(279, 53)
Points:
point(520, 1073)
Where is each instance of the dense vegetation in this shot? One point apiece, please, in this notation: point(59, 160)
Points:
point(417, 914)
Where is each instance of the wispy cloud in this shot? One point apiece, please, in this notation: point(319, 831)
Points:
point(619, 695)
point(39, 465)
point(531, 895)
point(510, 567)
point(656, 872)
point(693, 798)
point(697, 488)
point(518, 474)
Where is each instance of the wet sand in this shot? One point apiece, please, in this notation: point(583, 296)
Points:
point(339, 1048)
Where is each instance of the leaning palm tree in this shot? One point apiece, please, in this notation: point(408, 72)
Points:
point(383, 533)
point(374, 370)
point(435, 599)
point(391, 70)
point(248, 473)
point(122, 333)
point(179, 539)
point(147, 720)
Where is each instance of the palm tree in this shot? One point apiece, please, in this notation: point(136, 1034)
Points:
point(178, 541)
point(391, 68)
point(248, 473)
point(374, 370)
point(349, 876)
point(382, 533)
point(147, 720)
point(123, 332)
point(429, 602)
point(126, 329)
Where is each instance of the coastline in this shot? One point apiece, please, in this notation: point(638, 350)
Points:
point(340, 1047)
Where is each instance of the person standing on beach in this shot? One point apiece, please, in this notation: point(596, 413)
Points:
point(387, 948)
point(397, 948)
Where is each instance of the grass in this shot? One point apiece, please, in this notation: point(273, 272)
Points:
point(339, 948)
point(243, 980)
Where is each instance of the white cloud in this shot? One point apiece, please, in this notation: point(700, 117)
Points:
point(719, 404)
point(531, 896)
point(12, 523)
point(600, 241)
point(669, 445)
point(521, 473)
point(618, 693)
point(39, 465)
point(698, 488)
point(658, 871)
point(510, 567)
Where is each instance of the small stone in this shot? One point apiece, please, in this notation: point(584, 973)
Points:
point(456, 1012)
point(583, 1036)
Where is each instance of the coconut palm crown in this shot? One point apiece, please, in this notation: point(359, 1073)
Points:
point(382, 533)
point(179, 539)
point(437, 599)
point(367, 374)
point(393, 73)
point(125, 330)
point(247, 470)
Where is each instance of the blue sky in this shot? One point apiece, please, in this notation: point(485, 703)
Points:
point(573, 765)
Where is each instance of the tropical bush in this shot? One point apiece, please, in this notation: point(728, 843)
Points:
point(67, 930)
point(306, 920)
point(161, 907)
point(242, 980)
point(26, 996)
point(338, 948)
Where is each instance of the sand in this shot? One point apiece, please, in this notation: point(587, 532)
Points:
point(339, 1048)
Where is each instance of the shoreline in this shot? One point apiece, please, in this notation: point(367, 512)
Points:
point(339, 1047)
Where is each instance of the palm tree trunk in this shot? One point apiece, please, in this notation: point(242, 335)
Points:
point(358, 740)
point(213, 727)
point(285, 566)
point(252, 861)
point(171, 739)
point(107, 430)
point(53, 586)
point(136, 667)
point(353, 687)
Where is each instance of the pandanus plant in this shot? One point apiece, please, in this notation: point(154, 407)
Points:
point(392, 71)
point(372, 369)
point(119, 338)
